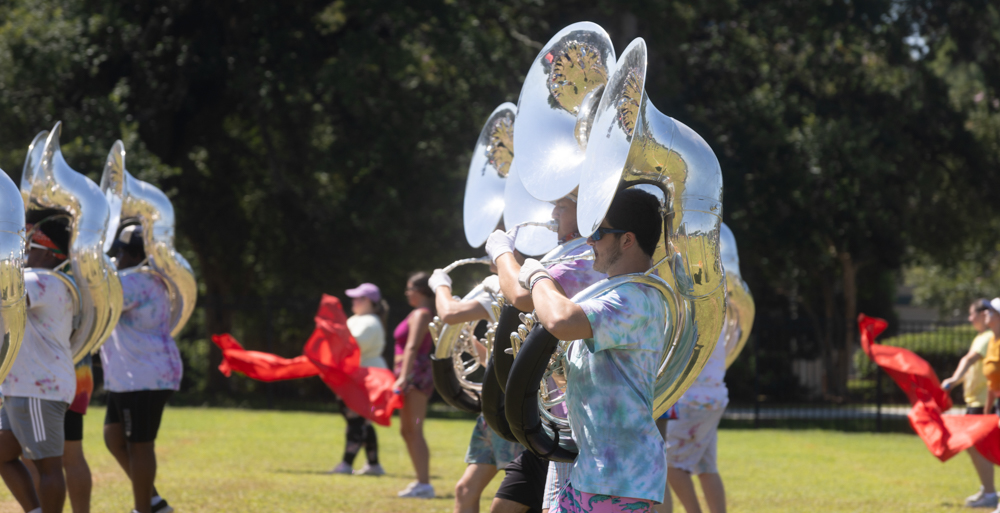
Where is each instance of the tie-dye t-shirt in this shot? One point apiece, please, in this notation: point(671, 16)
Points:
point(44, 365)
point(576, 275)
point(610, 395)
point(84, 385)
point(141, 354)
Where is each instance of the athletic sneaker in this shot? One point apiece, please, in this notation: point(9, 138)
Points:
point(985, 500)
point(370, 470)
point(341, 468)
point(417, 490)
point(162, 507)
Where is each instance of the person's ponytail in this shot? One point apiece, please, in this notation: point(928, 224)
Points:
point(382, 310)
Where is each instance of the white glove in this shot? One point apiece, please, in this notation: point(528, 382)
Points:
point(439, 278)
point(531, 271)
point(500, 242)
point(492, 284)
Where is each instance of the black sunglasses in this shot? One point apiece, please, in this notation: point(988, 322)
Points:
point(601, 232)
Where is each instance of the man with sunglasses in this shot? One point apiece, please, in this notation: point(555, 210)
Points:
point(612, 364)
point(42, 383)
point(523, 488)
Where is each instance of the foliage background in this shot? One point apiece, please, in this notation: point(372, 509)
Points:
point(311, 146)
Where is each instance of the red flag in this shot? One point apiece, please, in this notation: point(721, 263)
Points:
point(944, 435)
point(330, 353)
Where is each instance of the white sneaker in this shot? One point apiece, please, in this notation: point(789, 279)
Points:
point(985, 500)
point(417, 490)
point(341, 468)
point(370, 470)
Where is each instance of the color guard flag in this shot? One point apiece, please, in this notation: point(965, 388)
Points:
point(330, 353)
point(944, 435)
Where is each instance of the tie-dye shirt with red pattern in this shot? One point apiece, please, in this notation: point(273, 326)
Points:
point(609, 395)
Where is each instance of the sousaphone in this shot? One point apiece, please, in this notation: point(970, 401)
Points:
point(134, 201)
point(740, 307)
point(634, 144)
point(49, 183)
point(13, 307)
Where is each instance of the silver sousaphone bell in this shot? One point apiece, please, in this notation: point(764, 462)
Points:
point(13, 307)
point(740, 309)
point(556, 108)
point(49, 183)
point(133, 201)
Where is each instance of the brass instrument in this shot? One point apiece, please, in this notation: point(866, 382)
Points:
point(13, 306)
point(633, 144)
point(740, 307)
point(146, 205)
point(557, 106)
point(49, 183)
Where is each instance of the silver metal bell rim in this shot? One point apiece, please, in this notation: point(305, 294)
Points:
point(483, 204)
point(574, 62)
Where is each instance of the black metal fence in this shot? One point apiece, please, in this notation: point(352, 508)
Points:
point(781, 379)
point(785, 378)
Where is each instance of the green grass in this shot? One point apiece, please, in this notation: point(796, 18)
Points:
point(260, 461)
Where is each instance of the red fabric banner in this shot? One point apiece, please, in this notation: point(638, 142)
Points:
point(944, 435)
point(330, 353)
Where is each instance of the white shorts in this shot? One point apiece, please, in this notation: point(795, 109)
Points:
point(38, 425)
point(555, 481)
point(691, 439)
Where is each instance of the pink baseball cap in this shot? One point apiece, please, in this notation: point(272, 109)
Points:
point(368, 290)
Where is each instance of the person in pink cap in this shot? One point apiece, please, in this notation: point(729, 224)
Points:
point(367, 326)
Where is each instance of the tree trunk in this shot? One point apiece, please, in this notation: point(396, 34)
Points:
point(831, 385)
point(848, 273)
point(218, 320)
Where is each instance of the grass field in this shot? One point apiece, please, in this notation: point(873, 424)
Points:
point(260, 461)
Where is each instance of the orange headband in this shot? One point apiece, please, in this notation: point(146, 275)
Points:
point(43, 240)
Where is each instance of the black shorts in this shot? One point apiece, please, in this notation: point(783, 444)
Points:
point(140, 412)
point(974, 410)
point(525, 481)
point(73, 426)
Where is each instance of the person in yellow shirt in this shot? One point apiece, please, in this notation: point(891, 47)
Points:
point(976, 391)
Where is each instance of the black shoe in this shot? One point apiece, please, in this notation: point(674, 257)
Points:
point(162, 507)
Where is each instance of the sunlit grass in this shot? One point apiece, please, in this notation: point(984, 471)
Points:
point(260, 461)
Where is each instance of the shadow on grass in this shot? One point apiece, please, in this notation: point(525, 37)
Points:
point(308, 472)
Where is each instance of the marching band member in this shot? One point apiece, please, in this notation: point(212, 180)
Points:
point(415, 381)
point(41, 383)
point(367, 326)
point(142, 369)
point(612, 364)
point(488, 453)
point(79, 482)
point(524, 488)
point(692, 436)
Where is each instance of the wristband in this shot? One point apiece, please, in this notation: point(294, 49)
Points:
point(537, 278)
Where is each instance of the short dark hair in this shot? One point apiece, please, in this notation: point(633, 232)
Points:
point(981, 305)
point(637, 211)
